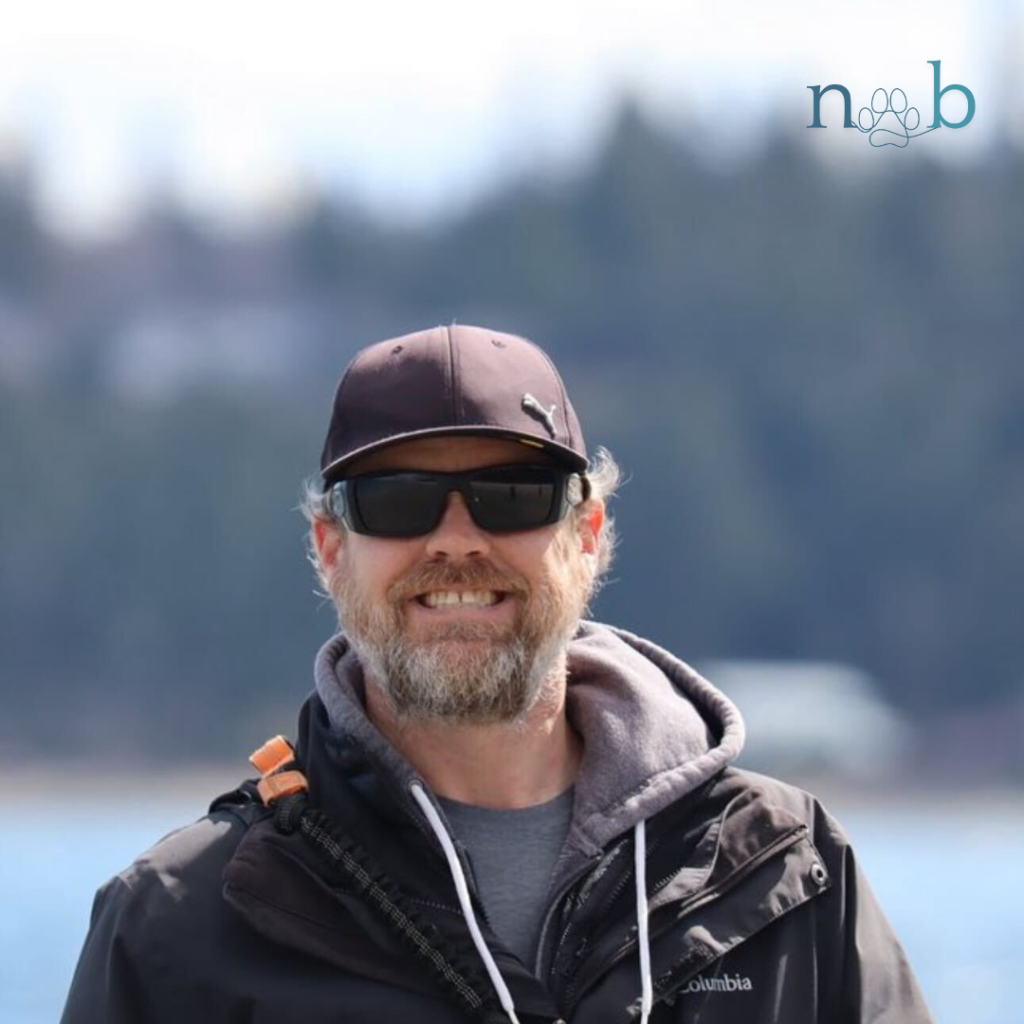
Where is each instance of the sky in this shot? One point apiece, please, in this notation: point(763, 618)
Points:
point(239, 110)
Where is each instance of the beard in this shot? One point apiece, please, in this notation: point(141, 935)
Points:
point(468, 672)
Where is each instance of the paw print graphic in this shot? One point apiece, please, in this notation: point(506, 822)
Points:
point(890, 121)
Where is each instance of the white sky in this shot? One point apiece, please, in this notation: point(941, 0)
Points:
point(233, 106)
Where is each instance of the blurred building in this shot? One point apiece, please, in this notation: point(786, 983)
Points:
point(813, 718)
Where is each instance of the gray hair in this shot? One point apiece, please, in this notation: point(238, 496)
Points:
point(603, 474)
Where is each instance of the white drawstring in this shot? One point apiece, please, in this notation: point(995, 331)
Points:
point(462, 890)
point(643, 940)
point(459, 878)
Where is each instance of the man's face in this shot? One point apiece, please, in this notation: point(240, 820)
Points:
point(461, 625)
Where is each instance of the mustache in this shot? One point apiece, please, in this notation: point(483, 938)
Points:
point(480, 575)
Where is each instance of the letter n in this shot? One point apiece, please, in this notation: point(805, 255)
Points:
point(847, 104)
point(939, 93)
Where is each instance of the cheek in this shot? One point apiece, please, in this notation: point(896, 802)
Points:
point(553, 557)
point(533, 554)
point(542, 544)
point(374, 563)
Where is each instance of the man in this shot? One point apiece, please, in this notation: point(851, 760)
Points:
point(494, 810)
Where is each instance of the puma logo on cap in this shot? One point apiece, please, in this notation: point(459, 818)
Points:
point(534, 408)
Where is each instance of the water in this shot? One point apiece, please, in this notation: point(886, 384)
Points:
point(949, 880)
point(950, 883)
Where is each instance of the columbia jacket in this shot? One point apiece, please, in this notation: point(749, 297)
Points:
point(746, 903)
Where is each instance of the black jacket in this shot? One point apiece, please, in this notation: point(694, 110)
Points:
point(758, 911)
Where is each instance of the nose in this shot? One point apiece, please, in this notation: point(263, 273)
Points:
point(456, 535)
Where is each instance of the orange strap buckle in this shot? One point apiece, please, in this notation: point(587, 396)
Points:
point(275, 783)
point(275, 753)
point(273, 787)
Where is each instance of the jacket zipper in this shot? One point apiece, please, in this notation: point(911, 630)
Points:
point(606, 904)
point(623, 883)
point(698, 793)
point(578, 988)
point(556, 902)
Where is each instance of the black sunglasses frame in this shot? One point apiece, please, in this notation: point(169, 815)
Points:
point(570, 489)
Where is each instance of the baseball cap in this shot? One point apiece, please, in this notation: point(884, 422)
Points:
point(449, 381)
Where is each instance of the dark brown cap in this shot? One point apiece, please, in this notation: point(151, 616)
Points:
point(450, 380)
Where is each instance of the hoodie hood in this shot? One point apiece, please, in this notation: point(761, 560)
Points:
point(652, 728)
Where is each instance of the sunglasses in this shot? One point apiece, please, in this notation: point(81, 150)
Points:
point(501, 499)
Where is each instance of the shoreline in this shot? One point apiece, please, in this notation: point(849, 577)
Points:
point(75, 780)
point(25, 782)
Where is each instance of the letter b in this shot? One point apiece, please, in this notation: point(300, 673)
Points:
point(939, 93)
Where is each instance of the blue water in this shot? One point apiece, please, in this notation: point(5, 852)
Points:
point(950, 881)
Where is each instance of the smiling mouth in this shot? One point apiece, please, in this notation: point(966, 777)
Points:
point(461, 598)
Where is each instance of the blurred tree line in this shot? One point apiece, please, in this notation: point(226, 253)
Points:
point(813, 380)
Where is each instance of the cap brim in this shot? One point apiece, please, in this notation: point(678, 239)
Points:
point(572, 459)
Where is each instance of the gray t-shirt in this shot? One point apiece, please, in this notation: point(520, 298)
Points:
point(513, 854)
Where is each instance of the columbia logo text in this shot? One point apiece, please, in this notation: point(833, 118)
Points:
point(722, 983)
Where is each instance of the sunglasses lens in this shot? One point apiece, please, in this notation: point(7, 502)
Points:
point(411, 504)
point(516, 502)
point(406, 505)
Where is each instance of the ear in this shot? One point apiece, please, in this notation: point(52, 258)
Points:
point(327, 539)
point(590, 523)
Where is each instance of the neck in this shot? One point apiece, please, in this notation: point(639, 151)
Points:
point(499, 765)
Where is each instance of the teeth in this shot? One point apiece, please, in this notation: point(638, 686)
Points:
point(446, 598)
